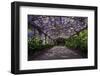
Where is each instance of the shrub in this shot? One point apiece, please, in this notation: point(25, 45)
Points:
point(35, 44)
point(78, 41)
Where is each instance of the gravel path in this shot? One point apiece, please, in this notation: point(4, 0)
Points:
point(57, 52)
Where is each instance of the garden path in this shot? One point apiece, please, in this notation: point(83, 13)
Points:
point(56, 52)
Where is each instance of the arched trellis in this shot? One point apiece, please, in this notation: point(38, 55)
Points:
point(50, 28)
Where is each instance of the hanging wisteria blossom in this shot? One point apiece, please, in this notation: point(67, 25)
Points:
point(53, 37)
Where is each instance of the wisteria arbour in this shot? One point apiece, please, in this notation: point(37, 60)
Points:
point(57, 26)
point(46, 31)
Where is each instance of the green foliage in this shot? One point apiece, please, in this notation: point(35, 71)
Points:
point(78, 41)
point(35, 44)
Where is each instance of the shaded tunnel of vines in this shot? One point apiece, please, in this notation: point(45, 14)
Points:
point(46, 32)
